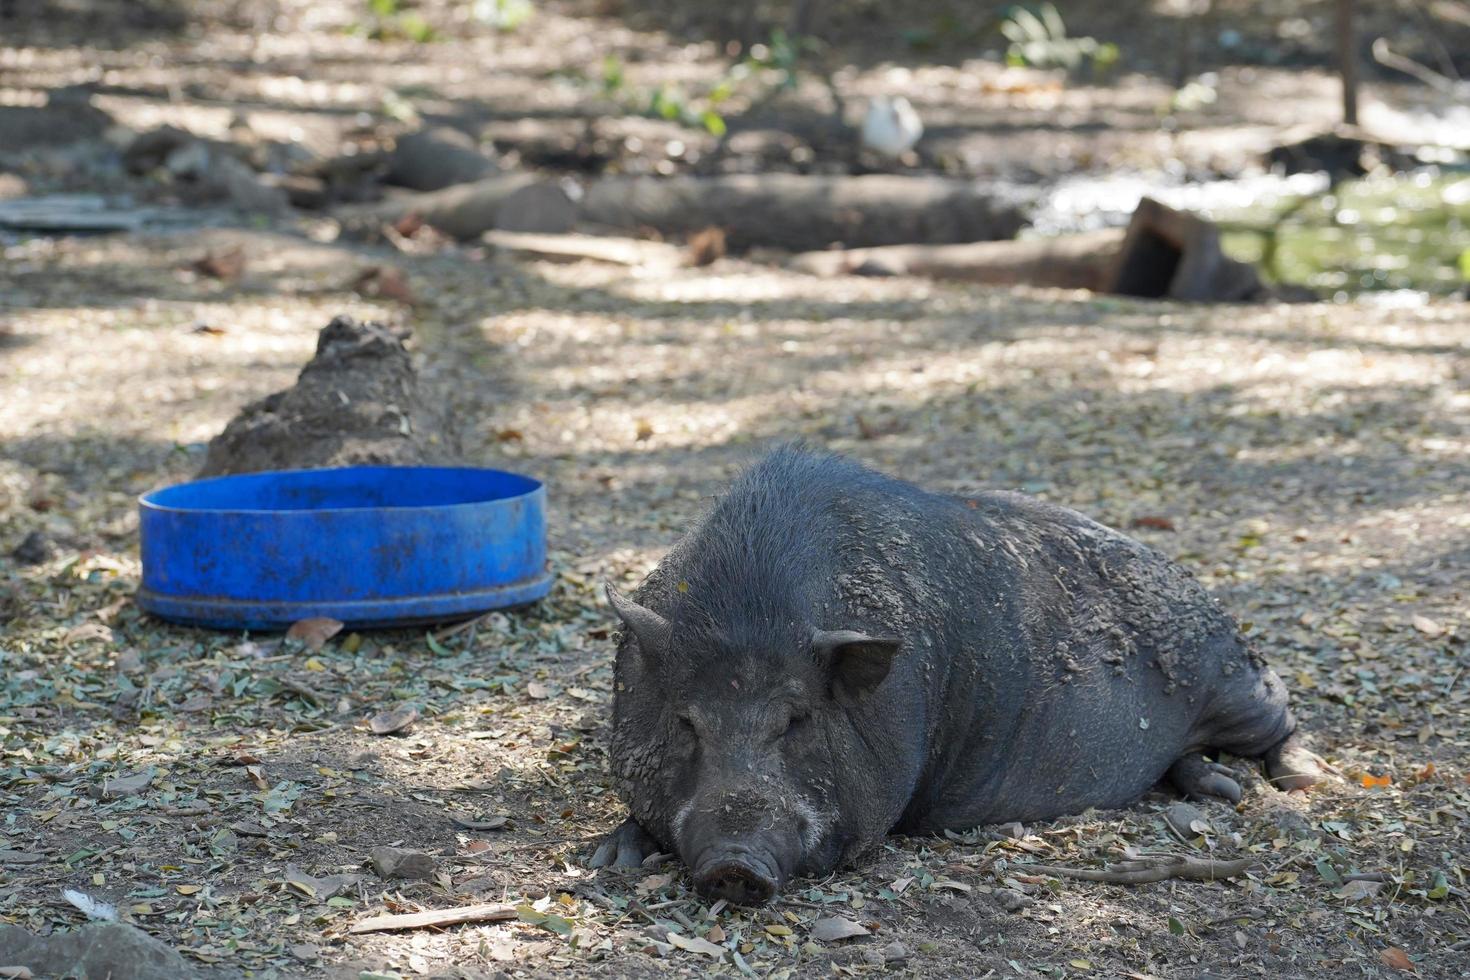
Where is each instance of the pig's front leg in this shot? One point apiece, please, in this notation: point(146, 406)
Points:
point(625, 847)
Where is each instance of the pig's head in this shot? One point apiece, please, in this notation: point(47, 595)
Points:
point(753, 751)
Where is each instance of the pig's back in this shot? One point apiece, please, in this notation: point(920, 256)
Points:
point(1086, 678)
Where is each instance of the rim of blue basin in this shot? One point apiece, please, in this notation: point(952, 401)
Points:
point(372, 546)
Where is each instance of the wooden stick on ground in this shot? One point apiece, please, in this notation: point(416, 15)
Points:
point(442, 917)
point(1152, 868)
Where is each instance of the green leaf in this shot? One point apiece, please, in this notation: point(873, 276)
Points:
point(1175, 926)
point(714, 123)
point(1441, 889)
point(1329, 873)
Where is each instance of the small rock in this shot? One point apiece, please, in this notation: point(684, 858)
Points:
point(1015, 830)
point(12, 186)
point(395, 862)
point(895, 952)
point(306, 952)
point(1285, 819)
point(97, 951)
point(873, 956)
point(1182, 817)
point(1011, 900)
point(116, 788)
point(433, 159)
point(393, 721)
point(35, 549)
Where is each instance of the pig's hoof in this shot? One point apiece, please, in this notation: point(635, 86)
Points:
point(1292, 766)
point(1196, 776)
point(625, 847)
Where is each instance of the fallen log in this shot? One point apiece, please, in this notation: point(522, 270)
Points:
point(70, 212)
point(799, 213)
point(1173, 254)
point(509, 202)
point(1083, 261)
point(573, 248)
point(1164, 254)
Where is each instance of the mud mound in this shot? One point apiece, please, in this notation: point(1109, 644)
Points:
point(357, 401)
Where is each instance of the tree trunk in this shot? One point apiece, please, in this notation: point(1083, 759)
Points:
point(1347, 58)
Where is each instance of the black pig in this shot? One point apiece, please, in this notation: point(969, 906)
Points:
point(831, 654)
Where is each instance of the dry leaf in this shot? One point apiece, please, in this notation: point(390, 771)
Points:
point(393, 721)
point(188, 889)
point(1371, 781)
point(489, 823)
point(315, 632)
point(477, 847)
point(707, 246)
point(88, 631)
point(1356, 891)
point(1427, 626)
point(715, 934)
point(384, 282)
point(952, 886)
point(831, 929)
point(653, 883)
point(225, 264)
point(1154, 521)
point(1396, 959)
point(697, 945)
point(538, 690)
point(320, 889)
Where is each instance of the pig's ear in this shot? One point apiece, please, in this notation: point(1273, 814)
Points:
point(651, 629)
point(858, 662)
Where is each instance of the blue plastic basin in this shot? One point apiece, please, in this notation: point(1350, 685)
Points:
point(369, 545)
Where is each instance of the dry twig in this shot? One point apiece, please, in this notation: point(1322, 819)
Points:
point(1141, 869)
point(443, 917)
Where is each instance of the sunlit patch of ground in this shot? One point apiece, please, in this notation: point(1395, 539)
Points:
point(1311, 462)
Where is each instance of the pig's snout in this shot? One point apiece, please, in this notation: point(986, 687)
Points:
point(740, 878)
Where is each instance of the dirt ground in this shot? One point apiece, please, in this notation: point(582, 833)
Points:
point(1311, 462)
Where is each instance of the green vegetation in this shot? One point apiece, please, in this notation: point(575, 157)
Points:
point(1380, 233)
point(1039, 40)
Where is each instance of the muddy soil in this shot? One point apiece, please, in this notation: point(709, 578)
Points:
point(357, 402)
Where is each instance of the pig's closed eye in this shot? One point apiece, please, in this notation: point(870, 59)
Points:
point(687, 731)
point(797, 721)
